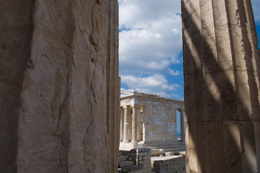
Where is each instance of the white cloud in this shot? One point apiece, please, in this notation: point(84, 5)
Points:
point(139, 14)
point(174, 73)
point(152, 41)
point(149, 42)
point(175, 61)
point(156, 84)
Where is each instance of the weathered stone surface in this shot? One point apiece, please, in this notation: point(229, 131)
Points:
point(113, 82)
point(168, 164)
point(148, 120)
point(221, 73)
point(140, 159)
point(53, 86)
point(157, 152)
point(15, 40)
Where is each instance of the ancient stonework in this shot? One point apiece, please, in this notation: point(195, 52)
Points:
point(53, 86)
point(113, 82)
point(221, 70)
point(149, 120)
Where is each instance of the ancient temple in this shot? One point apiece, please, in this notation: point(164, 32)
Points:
point(149, 120)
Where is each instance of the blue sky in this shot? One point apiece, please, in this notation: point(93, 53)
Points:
point(150, 46)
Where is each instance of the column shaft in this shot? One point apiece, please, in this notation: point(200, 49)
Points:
point(52, 115)
point(134, 124)
point(143, 109)
point(182, 126)
point(113, 85)
point(121, 123)
point(125, 125)
point(221, 76)
point(138, 124)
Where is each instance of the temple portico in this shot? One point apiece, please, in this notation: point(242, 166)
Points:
point(148, 120)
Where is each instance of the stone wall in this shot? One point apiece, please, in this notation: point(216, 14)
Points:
point(168, 164)
point(158, 118)
point(141, 156)
point(53, 87)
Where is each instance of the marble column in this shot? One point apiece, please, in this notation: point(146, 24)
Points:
point(121, 123)
point(182, 125)
point(125, 136)
point(138, 124)
point(143, 110)
point(221, 76)
point(112, 81)
point(134, 124)
point(53, 87)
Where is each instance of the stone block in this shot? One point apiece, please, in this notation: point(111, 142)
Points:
point(133, 168)
point(157, 152)
point(125, 163)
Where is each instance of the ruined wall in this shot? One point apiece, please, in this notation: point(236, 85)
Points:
point(141, 157)
point(160, 120)
point(221, 74)
point(53, 86)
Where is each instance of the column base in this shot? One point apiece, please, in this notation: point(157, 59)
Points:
point(128, 145)
point(134, 144)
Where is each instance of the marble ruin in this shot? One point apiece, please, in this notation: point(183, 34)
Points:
point(221, 76)
point(60, 91)
point(149, 123)
point(149, 120)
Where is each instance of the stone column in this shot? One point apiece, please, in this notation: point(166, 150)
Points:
point(112, 80)
point(125, 136)
point(53, 87)
point(221, 74)
point(138, 124)
point(121, 123)
point(182, 125)
point(134, 124)
point(143, 109)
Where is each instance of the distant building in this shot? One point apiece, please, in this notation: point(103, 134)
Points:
point(149, 120)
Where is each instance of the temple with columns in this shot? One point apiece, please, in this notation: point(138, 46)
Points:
point(149, 120)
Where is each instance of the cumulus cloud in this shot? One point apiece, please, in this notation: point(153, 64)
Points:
point(156, 84)
point(150, 37)
point(149, 42)
point(174, 73)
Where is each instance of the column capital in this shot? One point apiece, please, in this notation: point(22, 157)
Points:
point(125, 106)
